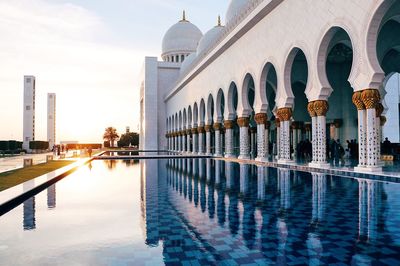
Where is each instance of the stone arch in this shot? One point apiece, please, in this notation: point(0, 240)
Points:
point(232, 102)
point(247, 95)
point(195, 115)
point(190, 117)
point(285, 91)
point(210, 109)
point(335, 35)
point(220, 106)
point(268, 87)
point(202, 113)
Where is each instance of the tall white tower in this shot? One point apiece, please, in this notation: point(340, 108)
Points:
point(51, 119)
point(29, 111)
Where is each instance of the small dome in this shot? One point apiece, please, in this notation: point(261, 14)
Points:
point(235, 8)
point(209, 39)
point(187, 62)
point(181, 38)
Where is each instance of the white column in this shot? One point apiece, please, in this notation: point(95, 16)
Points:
point(208, 141)
point(218, 144)
point(314, 138)
point(362, 138)
point(244, 138)
point(229, 153)
point(195, 140)
point(261, 142)
point(188, 141)
point(278, 139)
point(321, 137)
point(294, 142)
point(201, 140)
point(372, 136)
point(184, 142)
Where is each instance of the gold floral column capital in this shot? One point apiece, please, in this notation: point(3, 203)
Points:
point(217, 126)
point(370, 98)
point(208, 128)
point(358, 102)
point(200, 130)
point(285, 114)
point(311, 110)
point(321, 107)
point(229, 124)
point(261, 118)
point(243, 121)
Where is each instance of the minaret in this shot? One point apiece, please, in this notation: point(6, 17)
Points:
point(51, 119)
point(29, 111)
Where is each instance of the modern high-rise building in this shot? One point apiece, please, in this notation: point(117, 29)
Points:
point(29, 111)
point(51, 119)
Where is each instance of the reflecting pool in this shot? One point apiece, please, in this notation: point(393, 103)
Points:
point(203, 212)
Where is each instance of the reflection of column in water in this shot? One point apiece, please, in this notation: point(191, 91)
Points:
point(233, 214)
point(244, 178)
point(221, 209)
point(185, 181)
point(202, 165)
point(282, 237)
point(374, 189)
point(229, 175)
point(180, 176)
point(196, 192)
point(51, 196)
point(183, 165)
point(203, 195)
point(211, 201)
point(362, 207)
point(217, 172)
point(369, 207)
point(208, 170)
point(195, 167)
point(318, 196)
point(315, 249)
point(262, 173)
point(249, 223)
point(29, 220)
point(284, 186)
point(190, 188)
point(189, 166)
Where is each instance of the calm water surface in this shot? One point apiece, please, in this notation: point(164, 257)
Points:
point(203, 212)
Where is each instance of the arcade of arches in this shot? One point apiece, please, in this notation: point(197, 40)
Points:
point(229, 124)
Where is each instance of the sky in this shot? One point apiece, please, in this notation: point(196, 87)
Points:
point(88, 52)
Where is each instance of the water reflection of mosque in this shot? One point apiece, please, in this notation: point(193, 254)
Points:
point(275, 211)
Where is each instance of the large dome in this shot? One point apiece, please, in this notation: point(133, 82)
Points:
point(235, 8)
point(181, 39)
point(209, 39)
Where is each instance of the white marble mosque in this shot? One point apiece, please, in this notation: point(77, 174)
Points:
point(277, 71)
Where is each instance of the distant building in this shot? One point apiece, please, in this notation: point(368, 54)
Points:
point(128, 129)
point(51, 119)
point(29, 111)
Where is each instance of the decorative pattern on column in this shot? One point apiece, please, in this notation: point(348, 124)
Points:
point(195, 140)
point(188, 135)
point(229, 124)
point(243, 123)
point(321, 108)
point(218, 147)
point(278, 137)
point(362, 157)
point(208, 128)
point(313, 114)
point(262, 141)
point(379, 111)
point(371, 99)
point(284, 116)
point(253, 140)
point(201, 139)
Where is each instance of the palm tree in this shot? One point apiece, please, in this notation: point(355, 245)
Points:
point(111, 135)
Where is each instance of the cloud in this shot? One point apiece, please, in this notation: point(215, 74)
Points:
point(59, 44)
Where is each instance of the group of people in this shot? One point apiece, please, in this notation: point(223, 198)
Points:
point(304, 150)
point(58, 149)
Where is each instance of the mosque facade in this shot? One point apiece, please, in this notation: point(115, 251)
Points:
point(278, 72)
